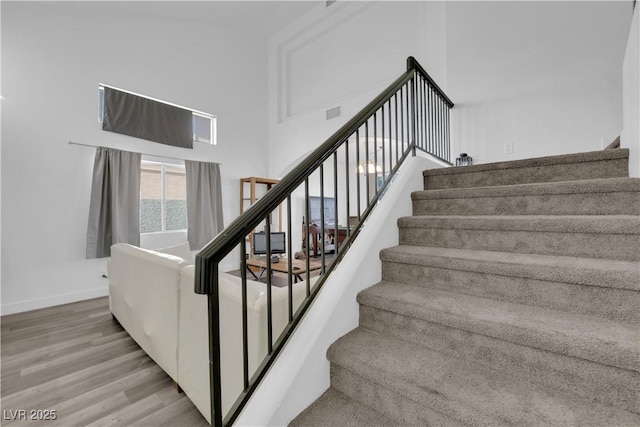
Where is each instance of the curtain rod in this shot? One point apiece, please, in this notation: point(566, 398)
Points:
point(144, 154)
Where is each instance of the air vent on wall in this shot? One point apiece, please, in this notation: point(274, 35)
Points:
point(332, 113)
point(330, 2)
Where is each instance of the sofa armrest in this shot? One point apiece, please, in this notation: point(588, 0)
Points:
point(143, 296)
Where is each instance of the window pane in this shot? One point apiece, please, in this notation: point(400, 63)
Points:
point(201, 129)
point(176, 198)
point(100, 104)
point(150, 198)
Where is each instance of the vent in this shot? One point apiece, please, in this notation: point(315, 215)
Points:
point(330, 2)
point(333, 113)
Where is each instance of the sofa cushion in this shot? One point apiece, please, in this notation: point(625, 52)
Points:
point(182, 250)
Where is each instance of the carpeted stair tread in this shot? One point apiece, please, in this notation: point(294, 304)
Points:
point(571, 167)
point(595, 236)
point(473, 394)
point(603, 185)
point(335, 409)
point(565, 159)
point(582, 271)
point(612, 196)
point(590, 338)
point(591, 224)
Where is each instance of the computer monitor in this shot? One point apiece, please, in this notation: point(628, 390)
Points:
point(278, 243)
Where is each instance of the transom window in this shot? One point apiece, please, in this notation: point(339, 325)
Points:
point(203, 124)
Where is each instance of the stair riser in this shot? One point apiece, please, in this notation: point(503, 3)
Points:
point(406, 411)
point(609, 303)
point(614, 168)
point(602, 383)
point(620, 246)
point(618, 203)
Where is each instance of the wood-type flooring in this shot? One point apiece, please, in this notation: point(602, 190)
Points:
point(75, 364)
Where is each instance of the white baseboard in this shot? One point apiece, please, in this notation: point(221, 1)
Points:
point(34, 304)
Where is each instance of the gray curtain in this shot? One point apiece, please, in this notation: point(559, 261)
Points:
point(204, 202)
point(114, 209)
point(148, 119)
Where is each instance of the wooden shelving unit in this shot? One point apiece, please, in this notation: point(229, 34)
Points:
point(251, 189)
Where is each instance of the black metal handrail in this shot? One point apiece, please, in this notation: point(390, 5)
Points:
point(413, 112)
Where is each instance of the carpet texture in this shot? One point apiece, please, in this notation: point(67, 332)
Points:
point(513, 298)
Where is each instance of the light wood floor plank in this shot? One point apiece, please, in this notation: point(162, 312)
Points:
point(77, 360)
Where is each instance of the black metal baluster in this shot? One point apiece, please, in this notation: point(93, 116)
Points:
point(407, 119)
point(358, 171)
point(375, 152)
point(419, 140)
point(446, 132)
point(366, 159)
point(442, 131)
point(414, 114)
point(267, 231)
point(425, 112)
point(435, 126)
point(245, 333)
point(348, 185)
point(389, 139)
point(434, 145)
point(448, 129)
point(336, 232)
point(289, 259)
point(322, 216)
point(427, 136)
point(382, 148)
point(213, 302)
point(307, 211)
point(440, 128)
point(395, 100)
point(402, 117)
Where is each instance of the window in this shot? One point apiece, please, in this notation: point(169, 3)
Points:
point(203, 124)
point(204, 128)
point(163, 197)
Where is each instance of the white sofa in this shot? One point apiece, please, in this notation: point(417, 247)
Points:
point(152, 295)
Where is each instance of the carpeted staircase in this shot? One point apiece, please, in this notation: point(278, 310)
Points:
point(513, 298)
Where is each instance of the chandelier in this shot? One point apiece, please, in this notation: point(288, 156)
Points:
point(369, 167)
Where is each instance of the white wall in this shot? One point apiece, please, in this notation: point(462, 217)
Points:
point(53, 57)
point(543, 77)
point(630, 137)
point(343, 55)
point(301, 372)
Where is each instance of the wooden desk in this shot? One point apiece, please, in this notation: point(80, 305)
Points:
point(298, 267)
point(342, 234)
point(315, 230)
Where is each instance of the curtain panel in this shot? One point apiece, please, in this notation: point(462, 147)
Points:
point(145, 118)
point(114, 209)
point(204, 202)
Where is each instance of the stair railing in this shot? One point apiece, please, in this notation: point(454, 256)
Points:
point(363, 156)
